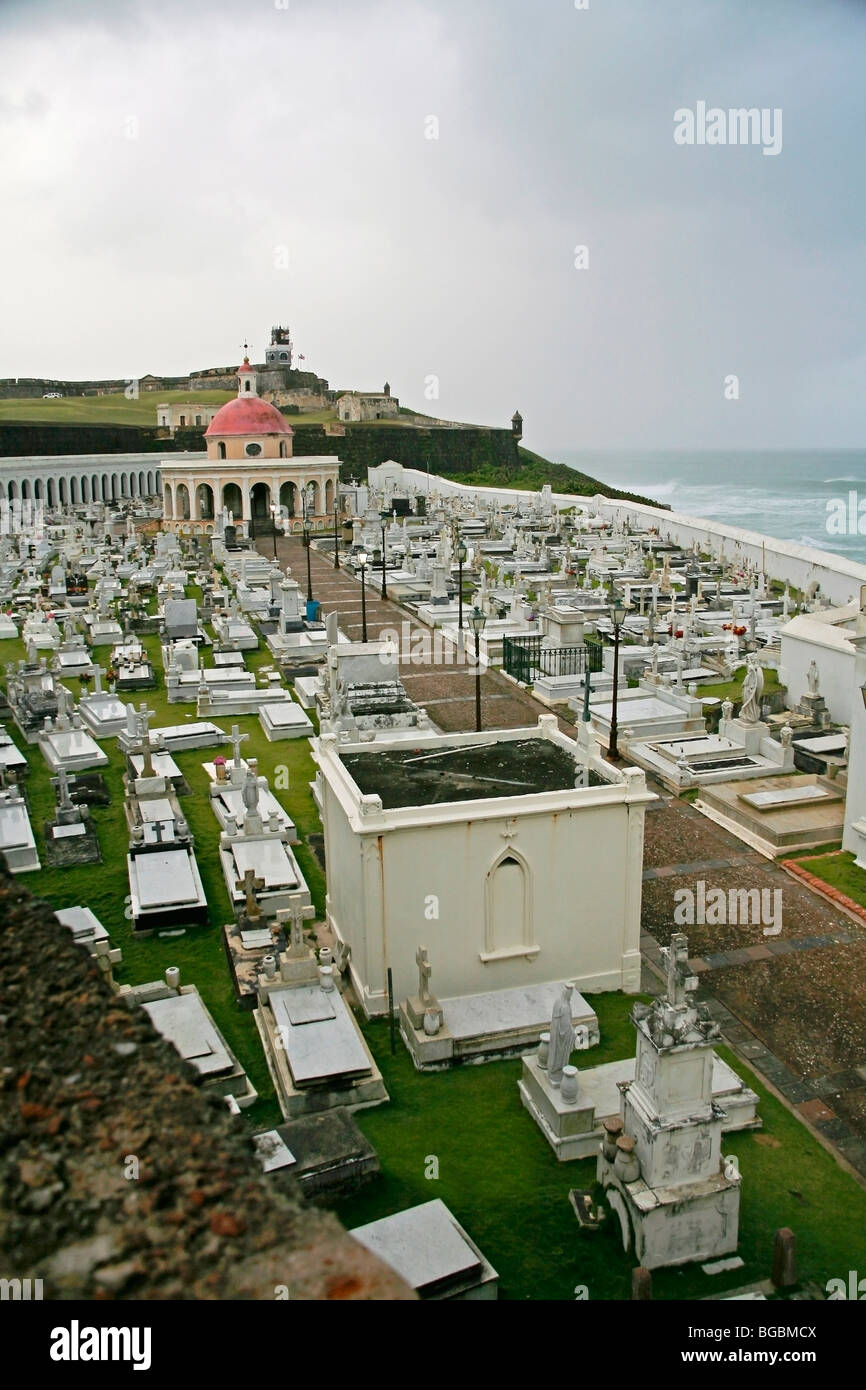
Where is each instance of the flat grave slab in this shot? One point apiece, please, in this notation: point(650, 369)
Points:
point(165, 878)
point(432, 1252)
point(331, 1153)
point(822, 743)
point(269, 859)
point(508, 1010)
point(272, 1151)
point(182, 1020)
point(787, 798)
point(157, 808)
point(164, 765)
point(321, 1050)
point(309, 1004)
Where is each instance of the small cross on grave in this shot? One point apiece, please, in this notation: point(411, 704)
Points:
point(65, 801)
point(425, 970)
point(144, 716)
point(249, 885)
point(680, 980)
point(236, 740)
point(294, 914)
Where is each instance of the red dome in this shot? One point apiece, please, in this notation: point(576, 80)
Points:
point(248, 415)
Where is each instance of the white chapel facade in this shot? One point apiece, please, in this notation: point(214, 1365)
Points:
point(249, 470)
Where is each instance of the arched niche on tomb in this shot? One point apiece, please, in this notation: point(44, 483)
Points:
point(508, 926)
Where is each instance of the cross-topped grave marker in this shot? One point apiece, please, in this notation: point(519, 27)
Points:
point(425, 970)
point(680, 980)
point(236, 740)
point(249, 885)
point(143, 718)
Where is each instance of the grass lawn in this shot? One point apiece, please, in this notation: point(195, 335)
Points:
point(733, 689)
point(840, 871)
point(105, 410)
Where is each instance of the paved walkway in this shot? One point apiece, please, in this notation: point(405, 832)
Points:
point(789, 1004)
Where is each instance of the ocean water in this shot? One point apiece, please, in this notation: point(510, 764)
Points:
point(781, 493)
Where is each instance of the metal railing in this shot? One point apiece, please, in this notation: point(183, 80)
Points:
point(526, 659)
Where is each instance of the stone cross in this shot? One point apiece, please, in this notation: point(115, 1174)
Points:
point(236, 740)
point(294, 913)
point(249, 885)
point(65, 802)
point(680, 980)
point(144, 716)
point(424, 972)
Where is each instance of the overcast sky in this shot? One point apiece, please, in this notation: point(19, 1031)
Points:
point(180, 174)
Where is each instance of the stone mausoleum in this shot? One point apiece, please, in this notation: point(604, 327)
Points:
point(513, 857)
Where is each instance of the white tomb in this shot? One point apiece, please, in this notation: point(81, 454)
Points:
point(428, 1247)
point(16, 836)
point(165, 886)
point(285, 719)
point(71, 749)
point(88, 931)
point(183, 1020)
point(11, 757)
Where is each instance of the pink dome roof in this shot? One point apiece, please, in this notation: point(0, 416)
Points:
point(248, 415)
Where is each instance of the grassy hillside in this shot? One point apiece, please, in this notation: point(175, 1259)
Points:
point(532, 472)
point(104, 410)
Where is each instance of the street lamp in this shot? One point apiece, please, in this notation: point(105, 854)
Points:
point(616, 612)
point(307, 544)
point(362, 558)
point(277, 518)
point(461, 556)
point(384, 585)
point(336, 536)
point(477, 619)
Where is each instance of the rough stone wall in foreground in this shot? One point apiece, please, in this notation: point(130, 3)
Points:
point(87, 1082)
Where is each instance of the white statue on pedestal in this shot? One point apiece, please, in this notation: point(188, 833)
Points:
point(561, 1035)
point(753, 689)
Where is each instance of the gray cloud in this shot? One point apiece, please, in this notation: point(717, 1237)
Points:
point(259, 128)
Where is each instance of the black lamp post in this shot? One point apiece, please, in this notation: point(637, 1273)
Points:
point(336, 536)
point(477, 619)
point(307, 545)
point(275, 512)
point(461, 556)
point(384, 585)
point(362, 565)
point(617, 611)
